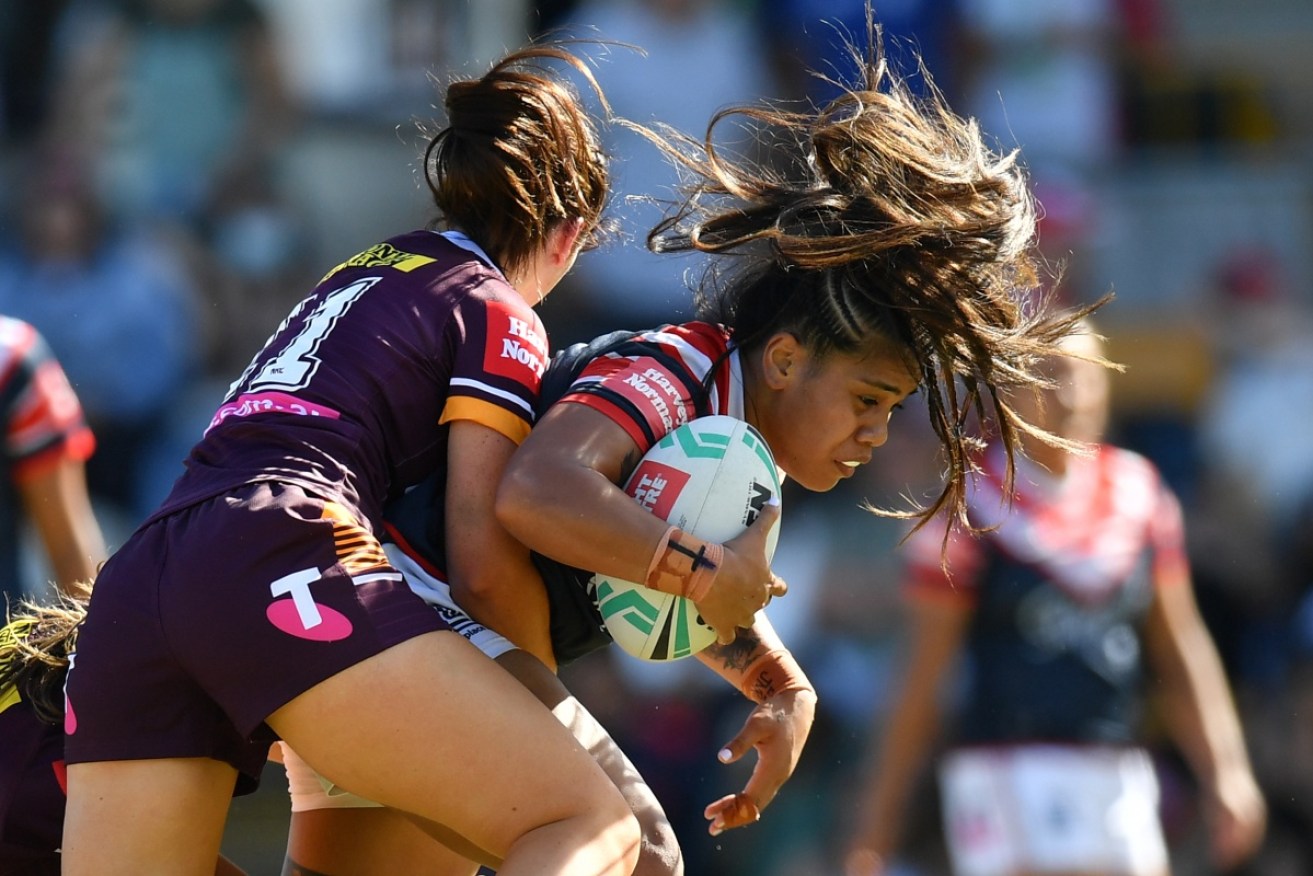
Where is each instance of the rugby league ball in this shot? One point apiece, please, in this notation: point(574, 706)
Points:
point(710, 477)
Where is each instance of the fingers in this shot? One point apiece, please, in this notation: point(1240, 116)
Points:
point(727, 813)
point(729, 612)
point(727, 631)
point(769, 516)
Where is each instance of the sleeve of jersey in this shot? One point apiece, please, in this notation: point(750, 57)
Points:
point(44, 423)
point(644, 396)
point(930, 575)
point(498, 366)
point(1167, 540)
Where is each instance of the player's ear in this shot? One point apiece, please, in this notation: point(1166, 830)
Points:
point(781, 359)
point(563, 240)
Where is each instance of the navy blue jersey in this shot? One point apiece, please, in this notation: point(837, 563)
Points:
point(1060, 592)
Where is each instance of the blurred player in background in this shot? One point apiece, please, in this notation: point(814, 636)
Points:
point(1072, 611)
point(46, 446)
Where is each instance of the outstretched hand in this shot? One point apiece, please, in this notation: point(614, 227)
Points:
point(778, 730)
point(744, 583)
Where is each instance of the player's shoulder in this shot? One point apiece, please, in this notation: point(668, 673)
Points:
point(424, 259)
point(1123, 464)
point(697, 346)
point(704, 337)
point(19, 341)
point(16, 334)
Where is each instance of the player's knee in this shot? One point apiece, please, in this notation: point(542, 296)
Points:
point(624, 834)
point(659, 854)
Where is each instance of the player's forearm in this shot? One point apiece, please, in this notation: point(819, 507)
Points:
point(582, 519)
point(908, 730)
point(1192, 683)
point(906, 735)
point(1202, 717)
point(757, 663)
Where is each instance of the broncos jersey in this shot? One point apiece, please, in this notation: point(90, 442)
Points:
point(352, 396)
point(32, 782)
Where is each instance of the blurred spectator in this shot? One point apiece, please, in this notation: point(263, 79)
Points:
point(46, 444)
point(1252, 515)
point(1073, 607)
point(1254, 425)
point(118, 307)
point(706, 42)
point(547, 14)
point(258, 256)
point(27, 67)
point(1040, 74)
point(170, 101)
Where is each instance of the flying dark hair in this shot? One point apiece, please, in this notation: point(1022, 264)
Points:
point(519, 155)
point(896, 227)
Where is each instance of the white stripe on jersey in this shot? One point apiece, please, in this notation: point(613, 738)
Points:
point(736, 408)
point(492, 390)
point(370, 578)
point(463, 241)
point(700, 363)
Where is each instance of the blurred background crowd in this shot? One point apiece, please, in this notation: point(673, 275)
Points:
point(175, 174)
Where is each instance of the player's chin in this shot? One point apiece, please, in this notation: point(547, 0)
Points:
point(818, 480)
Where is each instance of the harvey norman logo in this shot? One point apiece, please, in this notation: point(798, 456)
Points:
point(513, 344)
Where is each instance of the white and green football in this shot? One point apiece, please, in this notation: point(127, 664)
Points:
point(710, 477)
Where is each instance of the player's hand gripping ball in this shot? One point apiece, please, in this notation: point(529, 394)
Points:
point(710, 477)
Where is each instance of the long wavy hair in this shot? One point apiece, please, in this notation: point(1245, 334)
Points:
point(893, 225)
point(35, 645)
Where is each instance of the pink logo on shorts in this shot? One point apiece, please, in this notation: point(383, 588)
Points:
point(302, 616)
point(70, 720)
point(331, 624)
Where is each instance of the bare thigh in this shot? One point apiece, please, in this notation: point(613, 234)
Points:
point(362, 840)
point(435, 728)
point(134, 816)
point(366, 842)
point(660, 854)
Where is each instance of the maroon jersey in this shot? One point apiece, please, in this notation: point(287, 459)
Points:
point(351, 396)
point(31, 785)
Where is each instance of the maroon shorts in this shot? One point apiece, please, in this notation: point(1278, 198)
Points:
point(213, 617)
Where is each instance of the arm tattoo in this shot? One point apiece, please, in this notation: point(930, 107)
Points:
point(739, 653)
